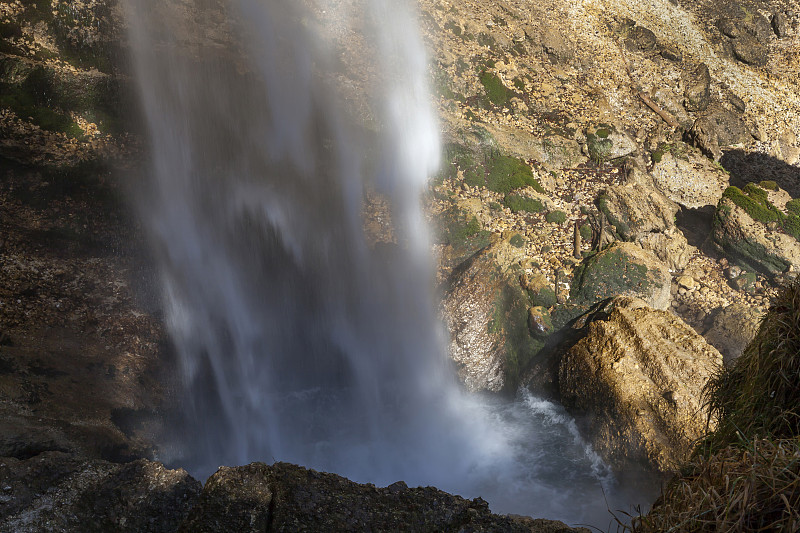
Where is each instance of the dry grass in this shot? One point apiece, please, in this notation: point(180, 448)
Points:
point(745, 475)
point(760, 395)
point(756, 488)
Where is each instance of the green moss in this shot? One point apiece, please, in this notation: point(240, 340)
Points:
point(586, 231)
point(793, 206)
point(753, 200)
point(26, 106)
point(507, 173)
point(556, 217)
point(792, 225)
point(519, 84)
point(656, 156)
point(518, 203)
point(768, 185)
point(517, 241)
point(496, 206)
point(496, 92)
point(545, 297)
point(453, 28)
point(607, 274)
point(603, 132)
point(464, 234)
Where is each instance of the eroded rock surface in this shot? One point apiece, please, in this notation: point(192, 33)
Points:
point(284, 497)
point(55, 491)
point(637, 375)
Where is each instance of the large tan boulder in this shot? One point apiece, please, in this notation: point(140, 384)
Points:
point(670, 246)
point(637, 208)
point(637, 376)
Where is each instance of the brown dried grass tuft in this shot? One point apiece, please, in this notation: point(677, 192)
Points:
point(760, 395)
point(756, 488)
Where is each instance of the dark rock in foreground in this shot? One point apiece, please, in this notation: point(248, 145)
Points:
point(285, 497)
point(58, 492)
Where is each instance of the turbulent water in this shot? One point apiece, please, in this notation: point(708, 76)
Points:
point(298, 340)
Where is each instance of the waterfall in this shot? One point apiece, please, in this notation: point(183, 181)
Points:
point(298, 340)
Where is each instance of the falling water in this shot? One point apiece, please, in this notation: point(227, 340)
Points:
point(298, 340)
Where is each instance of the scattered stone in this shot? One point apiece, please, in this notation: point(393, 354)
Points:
point(749, 51)
point(641, 39)
point(687, 282)
point(779, 24)
point(717, 129)
point(671, 53)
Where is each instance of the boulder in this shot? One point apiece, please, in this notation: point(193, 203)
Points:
point(670, 246)
point(554, 152)
point(637, 207)
point(559, 48)
point(732, 329)
point(698, 89)
point(637, 376)
point(749, 50)
point(605, 142)
point(623, 268)
point(486, 310)
point(718, 128)
point(687, 177)
point(752, 243)
point(284, 497)
point(54, 491)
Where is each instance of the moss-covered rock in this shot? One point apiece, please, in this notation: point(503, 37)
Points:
point(486, 309)
point(754, 233)
point(605, 143)
point(519, 203)
point(622, 269)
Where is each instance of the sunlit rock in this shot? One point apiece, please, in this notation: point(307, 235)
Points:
point(638, 376)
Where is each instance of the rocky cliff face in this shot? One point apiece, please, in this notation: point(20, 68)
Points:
point(568, 126)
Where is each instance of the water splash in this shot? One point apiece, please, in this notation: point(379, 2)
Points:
point(298, 341)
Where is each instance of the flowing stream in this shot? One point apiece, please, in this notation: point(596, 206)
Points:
point(298, 340)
